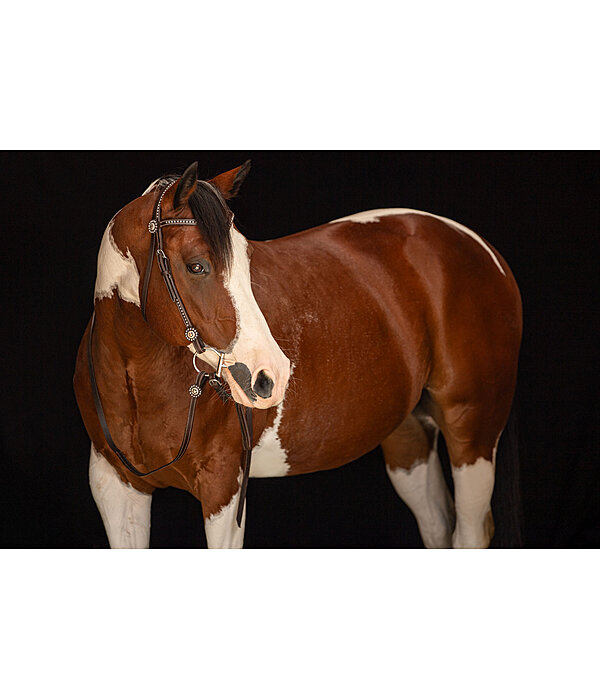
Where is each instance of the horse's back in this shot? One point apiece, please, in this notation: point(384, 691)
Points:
point(416, 266)
point(425, 239)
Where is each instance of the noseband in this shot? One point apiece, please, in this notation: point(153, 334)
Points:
point(214, 379)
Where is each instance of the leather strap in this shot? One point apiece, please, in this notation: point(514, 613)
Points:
point(245, 418)
point(144, 299)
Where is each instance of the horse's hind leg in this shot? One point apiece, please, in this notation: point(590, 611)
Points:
point(414, 468)
point(471, 431)
point(125, 511)
point(473, 487)
point(473, 459)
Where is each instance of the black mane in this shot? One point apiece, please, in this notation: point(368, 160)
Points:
point(213, 216)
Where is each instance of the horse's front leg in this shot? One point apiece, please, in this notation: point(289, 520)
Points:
point(125, 511)
point(220, 506)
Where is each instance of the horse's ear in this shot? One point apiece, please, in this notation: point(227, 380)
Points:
point(229, 183)
point(186, 185)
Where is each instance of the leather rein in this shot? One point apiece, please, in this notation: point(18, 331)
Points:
point(214, 379)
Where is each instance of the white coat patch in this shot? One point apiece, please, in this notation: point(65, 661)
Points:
point(151, 186)
point(116, 271)
point(268, 457)
point(372, 216)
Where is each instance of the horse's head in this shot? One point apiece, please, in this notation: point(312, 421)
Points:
point(210, 264)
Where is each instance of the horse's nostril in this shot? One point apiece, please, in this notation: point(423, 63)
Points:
point(263, 385)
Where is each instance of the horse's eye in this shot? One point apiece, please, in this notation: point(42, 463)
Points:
point(196, 268)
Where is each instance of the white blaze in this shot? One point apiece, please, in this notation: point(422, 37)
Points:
point(253, 337)
point(253, 344)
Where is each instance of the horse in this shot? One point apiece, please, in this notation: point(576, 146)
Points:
point(381, 328)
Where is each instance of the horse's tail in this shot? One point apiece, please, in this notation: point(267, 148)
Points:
point(506, 499)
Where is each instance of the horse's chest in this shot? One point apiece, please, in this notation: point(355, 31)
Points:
point(269, 458)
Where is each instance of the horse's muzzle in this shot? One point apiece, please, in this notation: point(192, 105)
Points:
point(263, 389)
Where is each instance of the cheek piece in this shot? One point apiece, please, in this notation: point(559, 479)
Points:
point(190, 333)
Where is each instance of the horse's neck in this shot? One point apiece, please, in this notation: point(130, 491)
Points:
point(123, 330)
point(132, 361)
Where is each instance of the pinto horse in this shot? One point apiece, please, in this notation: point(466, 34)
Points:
point(396, 324)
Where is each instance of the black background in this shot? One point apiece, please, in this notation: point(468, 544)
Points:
point(539, 209)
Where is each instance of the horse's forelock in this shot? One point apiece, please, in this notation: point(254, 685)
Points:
point(214, 217)
point(212, 214)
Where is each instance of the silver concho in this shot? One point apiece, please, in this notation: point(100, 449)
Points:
point(195, 391)
point(191, 334)
point(153, 226)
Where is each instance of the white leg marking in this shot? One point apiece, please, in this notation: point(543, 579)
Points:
point(125, 511)
point(116, 270)
point(423, 489)
point(367, 217)
point(473, 486)
point(222, 531)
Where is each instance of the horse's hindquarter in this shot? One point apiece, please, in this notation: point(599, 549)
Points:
point(346, 305)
